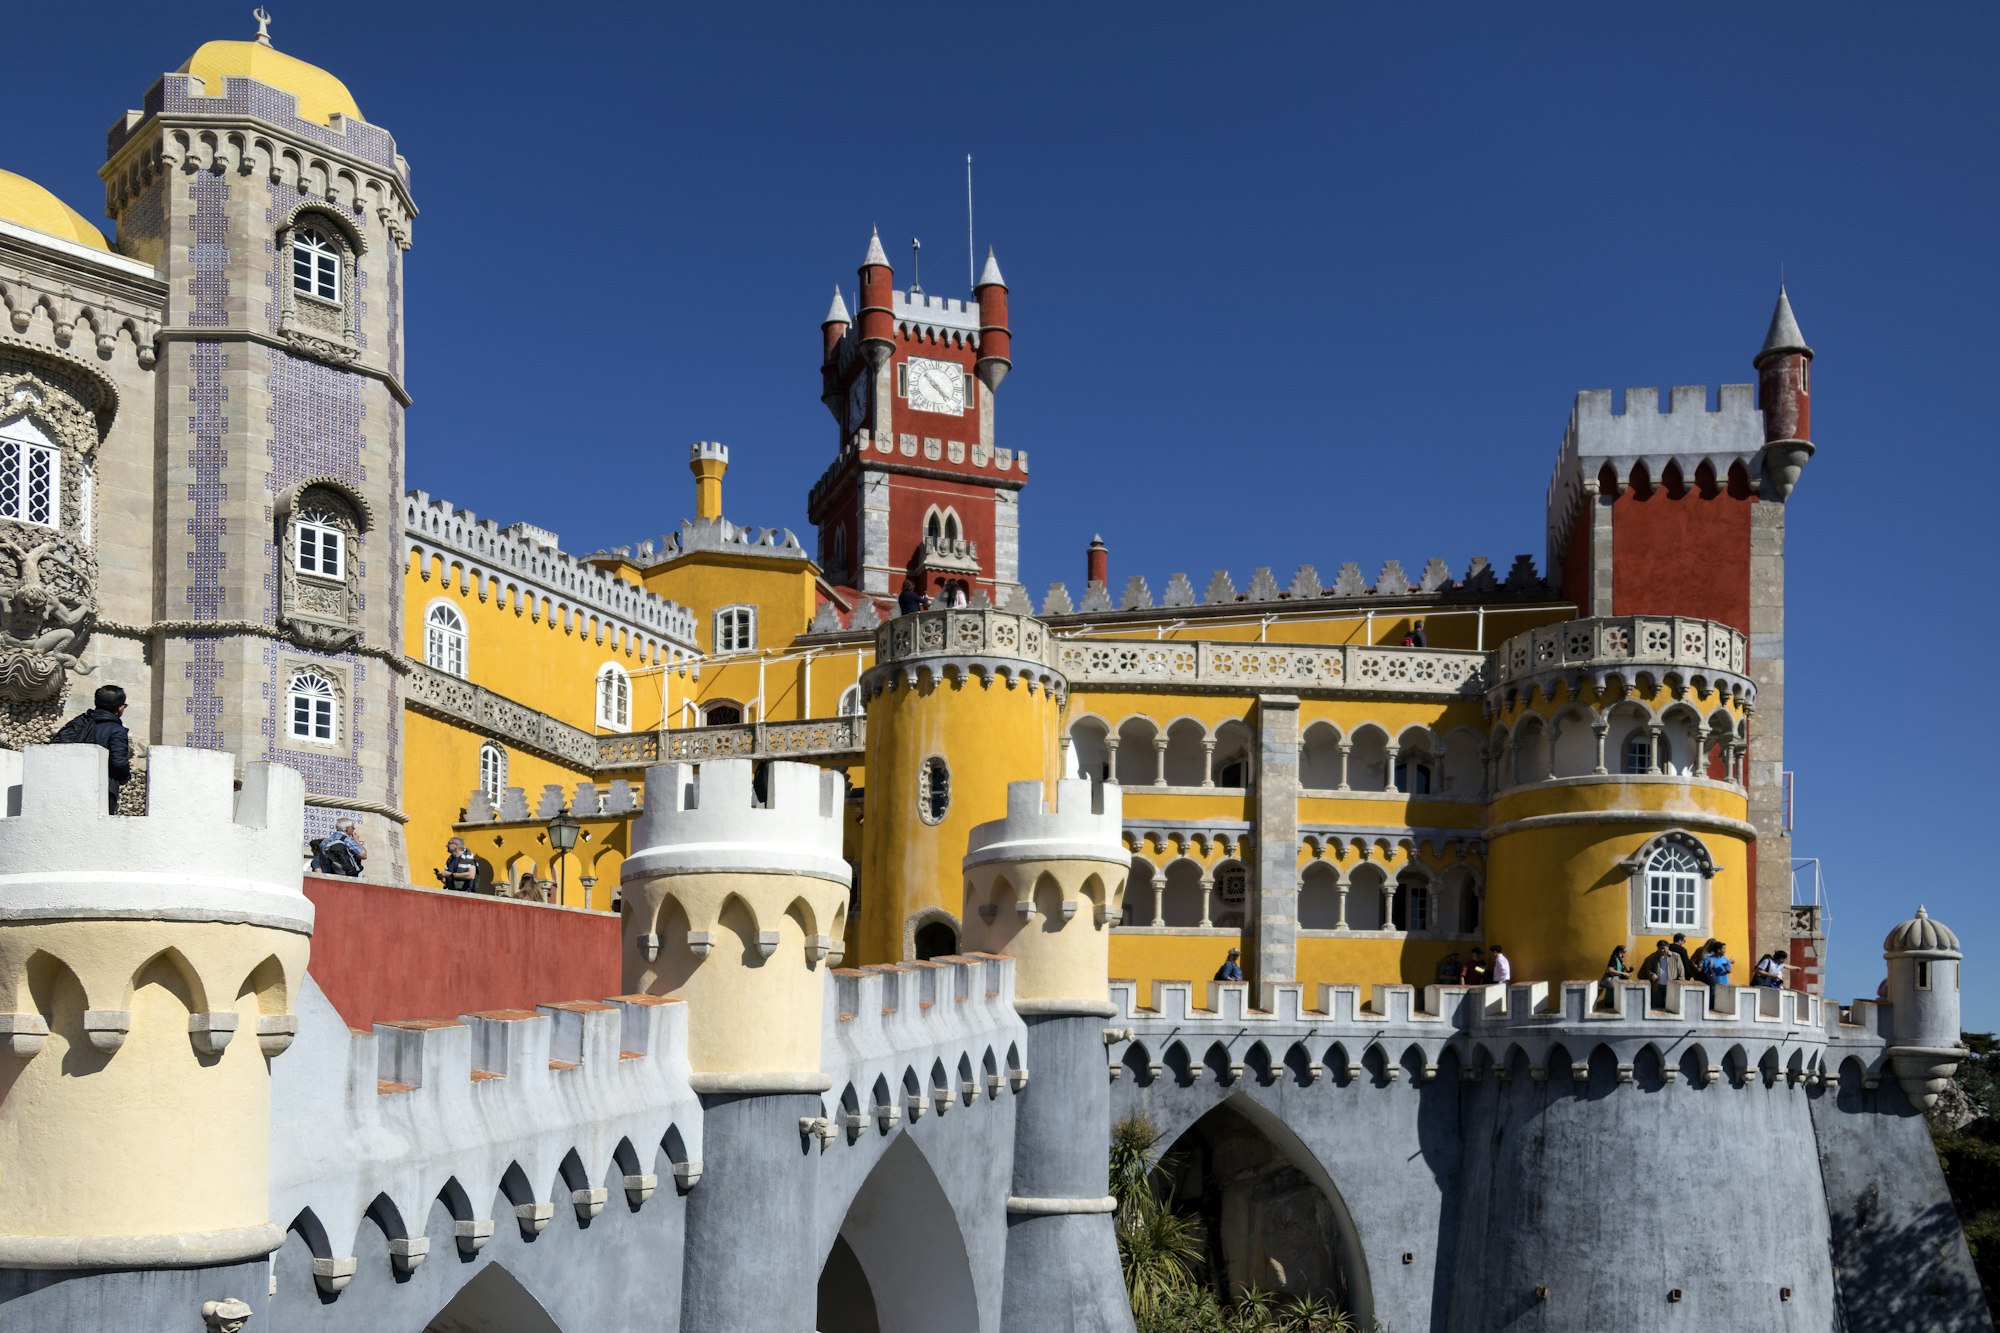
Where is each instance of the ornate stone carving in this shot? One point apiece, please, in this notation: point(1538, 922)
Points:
point(321, 349)
point(48, 603)
point(48, 575)
point(225, 1316)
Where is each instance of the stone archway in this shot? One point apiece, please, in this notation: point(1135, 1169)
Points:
point(1274, 1221)
point(493, 1302)
point(899, 1263)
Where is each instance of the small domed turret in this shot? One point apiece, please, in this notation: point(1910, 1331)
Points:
point(1921, 934)
point(1922, 993)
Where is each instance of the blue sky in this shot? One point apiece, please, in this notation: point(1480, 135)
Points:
point(1290, 284)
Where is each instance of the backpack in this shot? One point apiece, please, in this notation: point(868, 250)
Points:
point(339, 859)
point(79, 730)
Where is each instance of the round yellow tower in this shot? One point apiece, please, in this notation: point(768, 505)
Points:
point(1046, 884)
point(1619, 813)
point(152, 962)
point(960, 703)
point(734, 896)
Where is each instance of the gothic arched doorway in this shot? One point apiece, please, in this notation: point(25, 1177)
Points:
point(493, 1302)
point(899, 1263)
point(1272, 1220)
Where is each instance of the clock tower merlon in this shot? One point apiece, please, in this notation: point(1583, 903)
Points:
point(920, 490)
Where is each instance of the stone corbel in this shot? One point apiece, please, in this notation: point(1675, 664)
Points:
point(1017, 1078)
point(968, 1092)
point(533, 1217)
point(408, 1255)
point(767, 943)
point(888, 1114)
point(687, 1175)
point(472, 1234)
point(916, 1103)
point(649, 947)
point(23, 1035)
point(638, 1189)
point(275, 1033)
point(818, 1127)
point(700, 942)
point(853, 1122)
point(1026, 910)
point(818, 947)
point(107, 1028)
point(228, 1315)
point(332, 1275)
point(588, 1203)
point(210, 1032)
point(1069, 909)
point(994, 1083)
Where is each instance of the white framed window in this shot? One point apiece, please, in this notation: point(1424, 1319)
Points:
point(1638, 756)
point(319, 547)
point(735, 629)
point(444, 638)
point(315, 264)
point(312, 709)
point(1673, 888)
point(614, 697)
point(850, 701)
point(492, 772)
point(30, 475)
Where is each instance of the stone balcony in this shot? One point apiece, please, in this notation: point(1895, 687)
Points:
point(1671, 651)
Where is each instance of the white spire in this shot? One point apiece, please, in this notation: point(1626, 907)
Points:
point(990, 275)
point(874, 255)
point(837, 312)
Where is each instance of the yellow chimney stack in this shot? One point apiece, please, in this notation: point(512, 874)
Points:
point(708, 461)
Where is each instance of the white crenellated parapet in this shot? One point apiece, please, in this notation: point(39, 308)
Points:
point(1046, 884)
point(1401, 1033)
point(152, 964)
point(504, 1118)
point(906, 1040)
point(735, 897)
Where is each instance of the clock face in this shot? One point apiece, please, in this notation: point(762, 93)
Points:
point(857, 402)
point(936, 386)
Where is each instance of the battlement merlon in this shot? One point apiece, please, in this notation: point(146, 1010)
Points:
point(203, 851)
point(1687, 431)
point(1084, 822)
point(713, 820)
point(923, 313)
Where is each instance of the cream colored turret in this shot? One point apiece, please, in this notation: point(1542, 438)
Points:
point(150, 964)
point(1045, 885)
point(733, 902)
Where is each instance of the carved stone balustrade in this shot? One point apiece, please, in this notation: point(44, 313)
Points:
point(1672, 651)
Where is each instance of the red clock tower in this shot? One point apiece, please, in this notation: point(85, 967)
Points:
point(920, 489)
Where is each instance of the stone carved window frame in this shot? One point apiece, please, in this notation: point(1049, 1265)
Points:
point(343, 699)
point(312, 326)
point(320, 612)
point(42, 637)
point(1638, 867)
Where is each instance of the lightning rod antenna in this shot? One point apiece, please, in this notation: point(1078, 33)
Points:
point(969, 252)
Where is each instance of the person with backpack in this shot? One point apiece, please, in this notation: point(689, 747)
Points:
point(100, 725)
point(340, 852)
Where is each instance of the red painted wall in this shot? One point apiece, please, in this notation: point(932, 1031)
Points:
point(1681, 557)
point(383, 953)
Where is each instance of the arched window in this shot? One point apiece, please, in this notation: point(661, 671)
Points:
point(725, 714)
point(614, 698)
point(1673, 888)
point(492, 772)
point(933, 525)
point(735, 629)
point(933, 790)
point(315, 264)
point(30, 475)
point(444, 639)
point(319, 546)
point(951, 525)
point(312, 709)
point(850, 701)
point(1638, 757)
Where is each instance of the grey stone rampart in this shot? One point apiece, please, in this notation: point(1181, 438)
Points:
point(408, 1160)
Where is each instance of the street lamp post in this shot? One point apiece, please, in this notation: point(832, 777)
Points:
point(562, 837)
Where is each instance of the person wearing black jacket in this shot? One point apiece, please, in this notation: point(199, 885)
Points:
point(100, 726)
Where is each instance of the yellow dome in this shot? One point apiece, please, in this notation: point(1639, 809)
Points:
point(319, 93)
point(29, 205)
